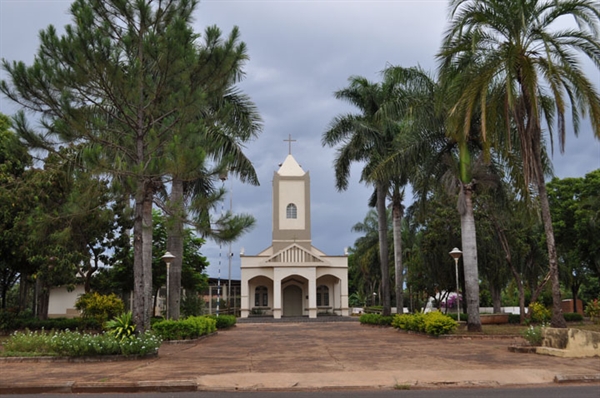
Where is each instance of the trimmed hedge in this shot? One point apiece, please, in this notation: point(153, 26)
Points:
point(10, 322)
point(433, 323)
point(224, 321)
point(184, 329)
point(463, 317)
point(376, 319)
point(573, 317)
point(514, 318)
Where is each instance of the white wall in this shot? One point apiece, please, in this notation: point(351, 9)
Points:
point(62, 302)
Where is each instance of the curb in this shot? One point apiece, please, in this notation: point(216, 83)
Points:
point(95, 358)
point(577, 378)
point(173, 386)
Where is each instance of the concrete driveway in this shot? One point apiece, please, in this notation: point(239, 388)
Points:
point(309, 355)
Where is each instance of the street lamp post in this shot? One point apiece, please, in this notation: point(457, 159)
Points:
point(456, 253)
point(167, 258)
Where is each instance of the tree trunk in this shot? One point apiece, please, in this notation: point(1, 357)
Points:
point(142, 257)
point(496, 298)
point(383, 250)
point(558, 320)
point(147, 255)
point(575, 291)
point(24, 287)
point(469, 243)
point(175, 247)
point(397, 211)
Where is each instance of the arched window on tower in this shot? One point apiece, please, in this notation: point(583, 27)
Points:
point(322, 296)
point(261, 297)
point(291, 211)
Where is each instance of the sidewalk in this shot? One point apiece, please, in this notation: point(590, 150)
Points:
point(320, 355)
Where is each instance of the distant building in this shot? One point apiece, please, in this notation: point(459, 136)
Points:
point(61, 302)
point(292, 277)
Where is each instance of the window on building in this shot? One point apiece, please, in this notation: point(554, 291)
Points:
point(261, 297)
point(322, 296)
point(291, 211)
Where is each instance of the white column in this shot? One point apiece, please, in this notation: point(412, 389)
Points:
point(276, 294)
point(312, 293)
point(244, 298)
point(344, 296)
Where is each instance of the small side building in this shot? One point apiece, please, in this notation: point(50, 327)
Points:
point(292, 277)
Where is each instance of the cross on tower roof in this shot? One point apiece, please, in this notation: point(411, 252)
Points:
point(290, 140)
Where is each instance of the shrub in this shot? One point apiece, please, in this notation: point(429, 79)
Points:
point(11, 321)
point(192, 305)
point(573, 317)
point(100, 307)
point(463, 317)
point(401, 321)
point(224, 321)
point(188, 328)
point(538, 312)
point(592, 309)
point(437, 323)
point(121, 326)
point(434, 323)
point(533, 334)
point(417, 322)
point(376, 319)
point(514, 318)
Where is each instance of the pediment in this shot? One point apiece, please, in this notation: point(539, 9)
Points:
point(295, 254)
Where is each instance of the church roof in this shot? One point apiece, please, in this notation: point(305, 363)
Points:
point(290, 168)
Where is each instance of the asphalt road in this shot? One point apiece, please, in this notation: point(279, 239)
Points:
point(590, 391)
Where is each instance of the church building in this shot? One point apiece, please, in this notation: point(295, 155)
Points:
point(293, 278)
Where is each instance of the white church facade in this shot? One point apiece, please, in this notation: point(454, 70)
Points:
point(292, 277)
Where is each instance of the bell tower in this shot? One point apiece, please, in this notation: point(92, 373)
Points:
point(291, 205)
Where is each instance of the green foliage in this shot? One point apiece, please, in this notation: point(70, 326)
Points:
point(539, 313)
point(10, 321)
point(463, 317)
point(573, 317)
point(514, 318)
point(356, 299)
point(121, 326)
point(592, 309)
point(376, 319)
point(184, 329)
point(533, 334)
point(192, 305)
point(434, 323)
point(437, 323)
point(100, 307)
point(75, 344)
point(224, 321)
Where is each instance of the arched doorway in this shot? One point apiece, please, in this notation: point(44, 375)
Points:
point(292, 301)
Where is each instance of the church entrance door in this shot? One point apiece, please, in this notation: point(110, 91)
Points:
point(292, 301)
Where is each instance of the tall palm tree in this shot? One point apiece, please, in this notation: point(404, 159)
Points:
point(434, 154)
point(519, 44)
point(367, 137)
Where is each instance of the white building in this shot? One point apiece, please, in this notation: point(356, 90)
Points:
point(292, 277)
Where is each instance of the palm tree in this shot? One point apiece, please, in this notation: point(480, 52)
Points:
point(365, 256)
point(367, 137)
point(434, 154)
point(516, 45)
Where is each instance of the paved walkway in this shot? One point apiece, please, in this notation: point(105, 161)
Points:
point(255, 356)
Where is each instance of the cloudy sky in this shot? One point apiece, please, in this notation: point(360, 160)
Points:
point(300, 53)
